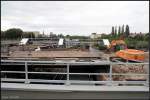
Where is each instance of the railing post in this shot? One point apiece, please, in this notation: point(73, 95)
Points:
point(26, 73)
point(67, 82)
point(110, 76)
point(147, 81)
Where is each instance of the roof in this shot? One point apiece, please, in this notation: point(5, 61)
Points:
point(24, 41)
point(61, 41)
point(106, 42)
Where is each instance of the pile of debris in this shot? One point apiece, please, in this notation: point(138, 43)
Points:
point(126, 69)
point(129, 69)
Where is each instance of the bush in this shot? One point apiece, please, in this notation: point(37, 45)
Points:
point(136, 44)
point(142, 45)
point(131, 44)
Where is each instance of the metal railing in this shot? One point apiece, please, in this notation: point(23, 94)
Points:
point(67, 81)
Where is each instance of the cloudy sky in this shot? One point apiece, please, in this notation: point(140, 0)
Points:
point(74, 17)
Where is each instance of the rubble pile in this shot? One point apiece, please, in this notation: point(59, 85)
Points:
point(129, 69)
point(126, 69)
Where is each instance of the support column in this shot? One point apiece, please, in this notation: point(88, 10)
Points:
point(147, 81)
point(26, 73)
point(110, 76)
point(67, 81)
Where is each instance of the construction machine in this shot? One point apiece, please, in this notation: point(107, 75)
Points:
point(121, 51)
point(117, 45)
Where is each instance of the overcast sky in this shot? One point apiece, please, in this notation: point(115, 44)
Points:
point(74, 17)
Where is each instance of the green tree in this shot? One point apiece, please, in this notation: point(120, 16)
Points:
point(79, 37)
point(28, 35)
point(147, 36)
point(13, 33)
point(122, 30)
point(60, 35)
point(67, 36)
point(119, 31)
point(127, 31)
point(2, 34)
point(93, 33)
point(113, 31)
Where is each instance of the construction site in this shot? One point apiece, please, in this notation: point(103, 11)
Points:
point(64, 62)
point(75, 50)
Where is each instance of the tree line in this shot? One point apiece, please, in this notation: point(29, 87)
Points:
point(138, 41)
point(16, 33)
point(122, 31)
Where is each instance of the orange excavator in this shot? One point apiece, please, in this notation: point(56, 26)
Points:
point(117, 45)
point(121, 50)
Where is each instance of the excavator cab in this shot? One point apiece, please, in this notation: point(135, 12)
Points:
point(117, 45)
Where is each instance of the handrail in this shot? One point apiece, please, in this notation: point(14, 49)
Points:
point(68, 81)
point(72, 73)
point(67, 62)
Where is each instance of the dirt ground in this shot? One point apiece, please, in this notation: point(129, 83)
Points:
point(86, 54)
point(54, 54)
point(128, 69)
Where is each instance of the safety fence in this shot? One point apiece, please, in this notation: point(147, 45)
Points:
point(65, 76)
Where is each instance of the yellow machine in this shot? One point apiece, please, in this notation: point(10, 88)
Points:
point(117, 45)
point(120, 47)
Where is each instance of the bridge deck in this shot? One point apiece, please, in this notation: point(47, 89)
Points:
point(40, 91)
